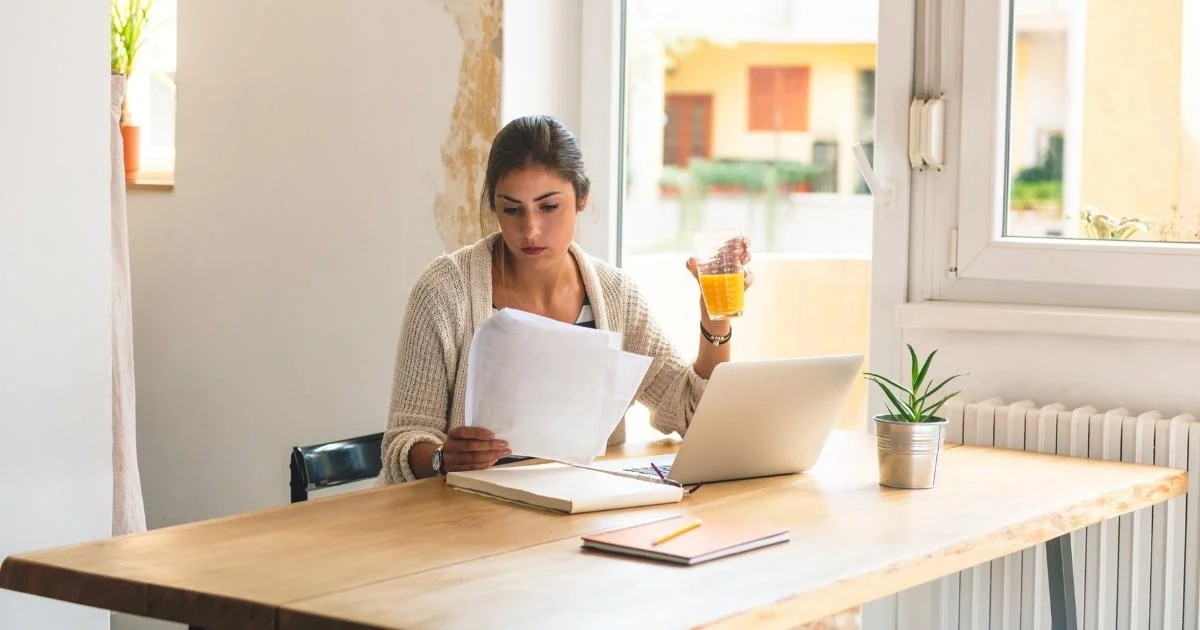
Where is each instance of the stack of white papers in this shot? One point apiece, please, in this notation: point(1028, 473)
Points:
point(550, 389)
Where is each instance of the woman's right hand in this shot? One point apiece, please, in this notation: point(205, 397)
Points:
point(471, 448)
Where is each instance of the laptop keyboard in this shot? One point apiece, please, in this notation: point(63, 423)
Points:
point(665, 469)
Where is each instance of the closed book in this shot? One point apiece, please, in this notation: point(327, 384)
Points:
point(708, 541)
point(565, 488)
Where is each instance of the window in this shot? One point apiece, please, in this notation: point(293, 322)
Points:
point(688, 129)
point(866, 104)
point(763, 103)
point(1071, 164)
point(778, 99)
point(151, 94)
point(824, 159)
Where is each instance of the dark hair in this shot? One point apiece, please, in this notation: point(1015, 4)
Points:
point(537, 140)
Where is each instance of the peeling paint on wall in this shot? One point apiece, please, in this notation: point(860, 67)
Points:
point(474, 121)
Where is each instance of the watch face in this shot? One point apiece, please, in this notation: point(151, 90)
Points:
point(437, 461)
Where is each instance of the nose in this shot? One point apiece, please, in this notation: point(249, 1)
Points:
point(531, 226)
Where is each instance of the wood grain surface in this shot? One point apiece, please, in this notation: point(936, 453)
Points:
point(423, 555)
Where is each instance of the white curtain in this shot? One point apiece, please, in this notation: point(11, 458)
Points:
point(129, 513)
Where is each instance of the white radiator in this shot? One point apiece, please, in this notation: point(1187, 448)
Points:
point(1137, 572)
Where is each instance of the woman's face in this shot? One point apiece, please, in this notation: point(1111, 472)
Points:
point(536, 210)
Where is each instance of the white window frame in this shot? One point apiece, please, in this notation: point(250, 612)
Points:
point(895, 86)
point(563, 58)
point(960, 209)
point(601, 131)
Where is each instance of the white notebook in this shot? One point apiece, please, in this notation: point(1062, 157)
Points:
point(565, 488)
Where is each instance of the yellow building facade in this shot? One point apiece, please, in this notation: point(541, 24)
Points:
point(834, 99)
point(1132, 128)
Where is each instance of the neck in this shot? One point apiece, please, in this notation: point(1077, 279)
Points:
point(540, 283)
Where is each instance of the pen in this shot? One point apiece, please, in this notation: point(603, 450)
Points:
point(682, 530)
point(658, 472)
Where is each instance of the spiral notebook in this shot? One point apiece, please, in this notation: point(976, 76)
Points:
point(564, 488)
point(709, 541)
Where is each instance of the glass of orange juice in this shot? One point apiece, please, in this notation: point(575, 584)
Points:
point(722, 281)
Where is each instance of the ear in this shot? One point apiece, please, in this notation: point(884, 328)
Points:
point(581, 205)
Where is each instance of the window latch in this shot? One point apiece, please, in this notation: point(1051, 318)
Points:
point(927, 133)
point(881, 189)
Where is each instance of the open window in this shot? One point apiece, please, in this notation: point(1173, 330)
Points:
point(747, 115)
point(1072, 154)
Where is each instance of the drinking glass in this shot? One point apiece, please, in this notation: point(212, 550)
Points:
point(722, 281)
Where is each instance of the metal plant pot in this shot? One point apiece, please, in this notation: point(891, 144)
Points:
point(908, 451)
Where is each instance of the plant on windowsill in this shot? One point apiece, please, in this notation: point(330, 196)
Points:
point(128, 21)
point(910, 436)
point(1097, 225)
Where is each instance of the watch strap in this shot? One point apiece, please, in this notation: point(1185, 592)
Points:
point(439, 462)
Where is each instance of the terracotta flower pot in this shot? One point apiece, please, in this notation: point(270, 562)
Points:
point(131, 139)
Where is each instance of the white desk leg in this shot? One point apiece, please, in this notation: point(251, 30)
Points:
point(1061, 576)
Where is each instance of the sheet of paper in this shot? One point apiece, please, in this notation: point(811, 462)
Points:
point(630, 372)
point(552, 390)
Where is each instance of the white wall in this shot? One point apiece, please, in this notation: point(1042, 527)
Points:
point(542, 51)
point(1138, 375)
point(269, 286)
point(55, 292)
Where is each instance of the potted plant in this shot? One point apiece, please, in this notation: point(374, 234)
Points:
point(128, 20)
point(909, 437)
point(1097, 225)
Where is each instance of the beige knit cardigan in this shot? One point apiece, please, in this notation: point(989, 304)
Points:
point(453, 296)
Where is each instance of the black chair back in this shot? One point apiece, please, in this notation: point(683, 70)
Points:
point(334, 463)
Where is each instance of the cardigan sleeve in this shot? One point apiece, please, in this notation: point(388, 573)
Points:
point(426, 358)
point(671, 388)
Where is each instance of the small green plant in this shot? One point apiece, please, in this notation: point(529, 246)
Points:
point(128, 22)
point(1036, 195)
point(129, 19)
point(914, 404)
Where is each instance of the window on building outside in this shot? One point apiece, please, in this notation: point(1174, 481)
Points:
point(778, 99)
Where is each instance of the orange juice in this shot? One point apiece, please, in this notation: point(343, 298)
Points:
point(724, 294)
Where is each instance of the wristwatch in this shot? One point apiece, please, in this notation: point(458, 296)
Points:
point(438, 468)
point(715, 340)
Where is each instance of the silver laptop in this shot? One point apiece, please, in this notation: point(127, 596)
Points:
point(755, 419)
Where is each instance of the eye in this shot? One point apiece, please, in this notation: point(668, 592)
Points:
point(550, 207)
point(512, 211)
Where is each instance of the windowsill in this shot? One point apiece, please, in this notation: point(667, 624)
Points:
point(1050, 320)
point(162, 183)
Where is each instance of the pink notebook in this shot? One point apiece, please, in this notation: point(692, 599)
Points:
point(709, 541)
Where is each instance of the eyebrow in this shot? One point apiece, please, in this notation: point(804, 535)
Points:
point(549, 194)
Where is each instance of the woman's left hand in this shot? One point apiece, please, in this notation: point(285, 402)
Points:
point(740, 247)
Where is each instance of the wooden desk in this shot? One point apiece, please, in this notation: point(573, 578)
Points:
point(423, 555)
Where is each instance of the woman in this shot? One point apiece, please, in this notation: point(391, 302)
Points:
point(535, 186)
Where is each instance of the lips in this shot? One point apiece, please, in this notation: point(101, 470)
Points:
point(533, 251)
